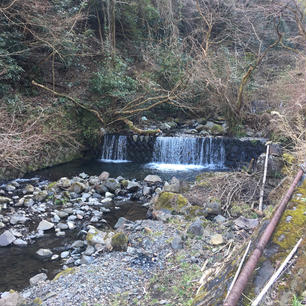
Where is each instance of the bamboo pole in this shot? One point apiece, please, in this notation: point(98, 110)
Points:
point(262, 190)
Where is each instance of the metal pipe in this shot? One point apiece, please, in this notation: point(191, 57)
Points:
point(250, 265)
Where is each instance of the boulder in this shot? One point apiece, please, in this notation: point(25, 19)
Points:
point(196, 228)
point(6, 238)
point(94, 236)
point(41, 196)
point(171, 201)
point(38, 278)
point(104, 176)
point(153, 179)
point(119, 242)
point(246, 223)
point(77, 187)
point(112, 184)
point(10, 188)
point(64, 183)
point(101, 189)
point(44, 225)
point(174, 185)
point(133, 186)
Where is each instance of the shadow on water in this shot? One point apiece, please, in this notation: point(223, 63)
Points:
point(19, 264)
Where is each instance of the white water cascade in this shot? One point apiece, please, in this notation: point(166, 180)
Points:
point(114, 149)
point(188, 153)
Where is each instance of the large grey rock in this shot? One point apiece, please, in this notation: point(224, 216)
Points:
point(44, 225)
point(77, 187)
point(89, 250)
point(112, 184)
point(146, 190)
point(153, 179)
point(38, 278)
point(65, 254)
point(101, 189)
point(133, 186)
point(64, 183)
point(21, 219)
point(41, 196)
point(196, 228)
point(78, 244)
point(86, 260)
point(122, 222)
point(44, 253)
point(6, 238)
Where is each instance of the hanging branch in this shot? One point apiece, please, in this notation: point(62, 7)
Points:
point(71, 99)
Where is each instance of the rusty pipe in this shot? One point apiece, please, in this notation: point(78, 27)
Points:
point(250, 265)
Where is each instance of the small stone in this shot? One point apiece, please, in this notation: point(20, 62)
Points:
point(220, 219)
point(27, 202)
point(54, 257)
point(89, 250)
point(60, 234)
point(146, 190)
point(216, 239)
point(177, 243)
point(65, 254)
point(246, 223)
point(87, 259)
point(44, 253)
point(77, 187)
point(71, 225)
point(6, 238)
point(288, 219)
point(119, 242)
point(45, 225)
point(38, 278)
point(109, 195)
point(83, 175)
point(62, 226)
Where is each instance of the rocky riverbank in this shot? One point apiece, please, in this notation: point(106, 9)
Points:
point(157, 261)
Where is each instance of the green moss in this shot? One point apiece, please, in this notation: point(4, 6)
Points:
point(287, 233)
point(194, 211)
point(51, 185)
point(241, 209)
point(289, 159)
point(37, 301)
point(119, 242)
point(124, 183)
point(217, 129)
point(64, 272)
point(171, 201)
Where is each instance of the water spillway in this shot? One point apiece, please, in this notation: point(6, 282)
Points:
point(205, 152)
point(114, 148)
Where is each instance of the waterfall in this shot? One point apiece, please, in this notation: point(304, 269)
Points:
point(114, 148)
point(206, 152)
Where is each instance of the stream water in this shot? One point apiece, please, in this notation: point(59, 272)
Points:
point(183, 158)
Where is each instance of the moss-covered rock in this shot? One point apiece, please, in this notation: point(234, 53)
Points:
point(171, 201)
point(119, 242)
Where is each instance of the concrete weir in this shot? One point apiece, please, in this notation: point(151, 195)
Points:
point(211, 152)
